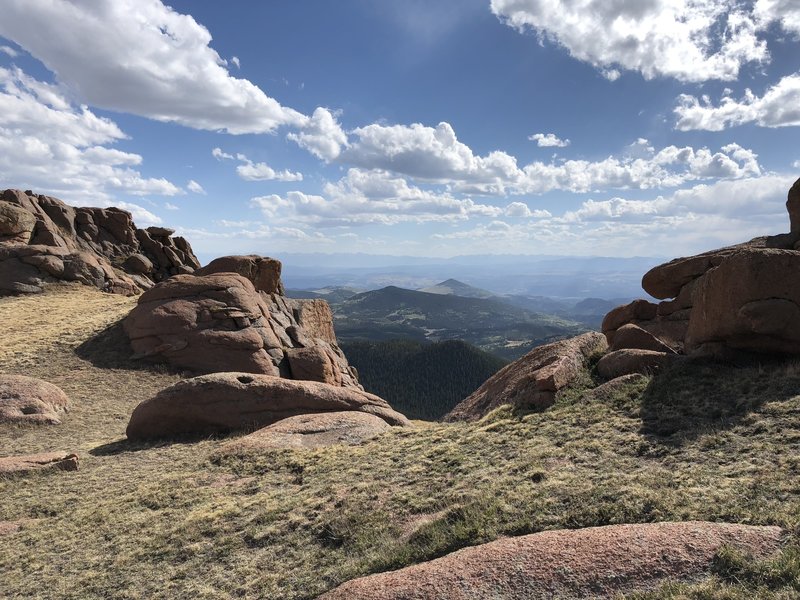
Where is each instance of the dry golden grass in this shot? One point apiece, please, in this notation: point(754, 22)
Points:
point(181, 521)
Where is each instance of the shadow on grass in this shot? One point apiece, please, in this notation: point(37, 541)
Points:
point(697, 396)
point(124, 445)
point(111, 349)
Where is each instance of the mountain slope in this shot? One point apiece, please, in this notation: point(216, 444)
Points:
point(453, 287)
point(423, 381)
point(490, 324)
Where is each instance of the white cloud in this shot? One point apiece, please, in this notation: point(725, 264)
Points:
point(145, 59)
point(430, 154)
point(250, 171)
point(548, 140)
point(195, 187)
point(796, 164)
point(236, 62)
point(170, 206)
point(778, 107)
point(436, 155)
point(220, 155)
point(49, 145)
point(689, 40)
point(363, 197)
point(520, 209)
point(750, 198)
point(321, 134)
point(785, 12)
point(9, 51)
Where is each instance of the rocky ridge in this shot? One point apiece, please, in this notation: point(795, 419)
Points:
point(232, 316)
point(735, 299)
point(43, 240)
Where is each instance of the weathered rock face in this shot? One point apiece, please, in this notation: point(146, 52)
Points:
point(43, 240)
point(263, 272)
point(631, 360)
point(533, 380)
point(47, 461)
point(29, 400)
point(219, 322)
point(595, 562)
point(740, 298)
point(751, 301)
point(223, 402)
point(311, 431)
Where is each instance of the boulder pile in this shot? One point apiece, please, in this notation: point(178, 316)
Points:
point(43, 240)
point(232, 316)
point(739, 298)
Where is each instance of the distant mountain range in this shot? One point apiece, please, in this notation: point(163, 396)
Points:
point(489, 323)
point(560, 277)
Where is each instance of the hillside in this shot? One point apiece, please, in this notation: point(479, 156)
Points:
point(493, 326)
point(457, 288)
point(421, 380)
point(703, 441)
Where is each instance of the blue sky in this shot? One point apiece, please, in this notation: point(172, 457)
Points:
point(437, 128)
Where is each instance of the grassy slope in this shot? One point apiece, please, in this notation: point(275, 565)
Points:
point(175, 520)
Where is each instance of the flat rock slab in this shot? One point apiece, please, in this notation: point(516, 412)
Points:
point(222, 402)
point(311, 431)
point(533, 380)
point(47, 461)
point(598, 562)
point(30, 400)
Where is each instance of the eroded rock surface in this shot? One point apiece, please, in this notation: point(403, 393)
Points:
point(221, 322)
point(30, 400)
point(311, 431)
point(46, 461)
point(222, 402)
point(596, 562)
point(43, 240)
point(533, 380)
point(740, 298)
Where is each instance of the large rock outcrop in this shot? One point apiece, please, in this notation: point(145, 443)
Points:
point(595, 562)
point(31, 401)
point(238, 320)
point(739, 298)
point(533, 380)
point(223, 402)
point(43, 240)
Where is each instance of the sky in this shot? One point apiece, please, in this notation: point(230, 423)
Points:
point(411, 127)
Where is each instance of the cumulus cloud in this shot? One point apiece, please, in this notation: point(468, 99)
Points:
point(48, 144)
point(436, 155)
point(365, 197)
point(785, 12)
point(146, 59)
point(685, 39)
point(548, 140)
point(250, 171)
point(778, 107)
point(321, 134)
point(195, 187)
point(520, 209)
point(749, 198)
point(9, 51)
